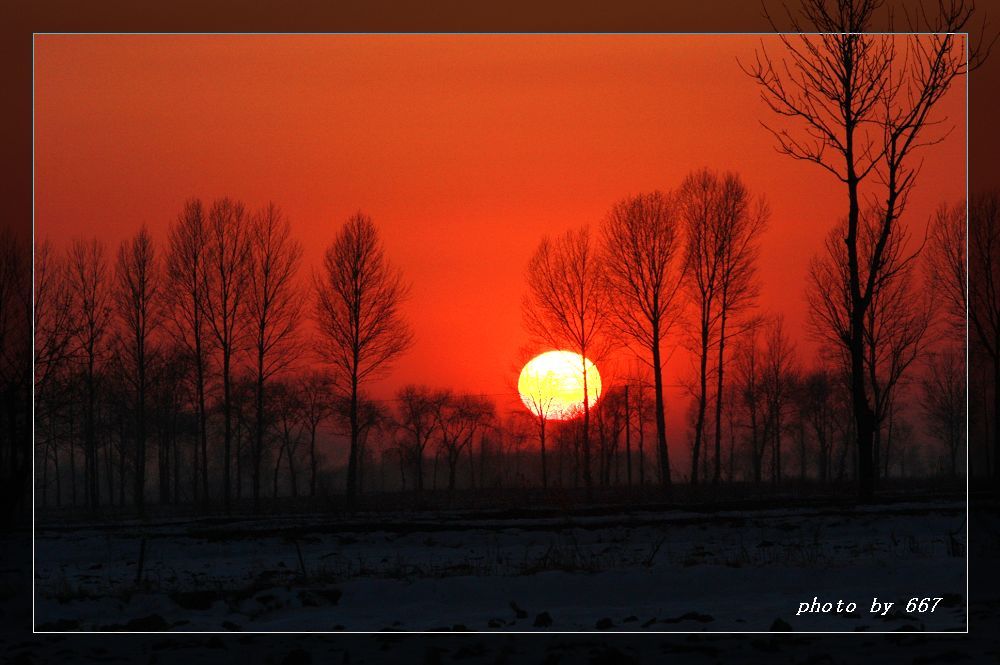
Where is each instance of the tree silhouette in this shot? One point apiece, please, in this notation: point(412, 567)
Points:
point(864, 112)
point(895, 323)
point(779, 377)
point(722, 225)
point(943, 399)
point(644, 264)
point(417, 421)
point(92, 310)
point(136, 295)
point(273, 309)
point(316, 407)
point(186, 283)
point(946, 262)
point(227, 262)
point(358, 315)
point(459, 418)
point(567, 307)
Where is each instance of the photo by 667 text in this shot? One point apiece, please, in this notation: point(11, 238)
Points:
point(881, 607)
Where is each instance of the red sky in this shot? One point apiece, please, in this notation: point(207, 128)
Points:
point(464, 149)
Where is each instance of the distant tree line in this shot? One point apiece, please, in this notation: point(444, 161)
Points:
point(185, 373)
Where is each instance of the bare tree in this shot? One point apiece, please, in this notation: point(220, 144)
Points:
point(864, 111)
point(54, 329)
point(750, 379)
point(537, 395)
point(54, 324)
point(778, 380)
point(187, 280)
point(644, 264)
point(896, 320)
point(273, 308)
point(227, 261)
point(817, 410)
point(610, 417)
point(460, 418)
point(136, 295)
point(417, 420)
point(317, 407)
point(285, 401)
point(722, 226)
point(567, 307)
point(741, 224)
point(946, 262)
point(701, 197)
point(92, 310)
point(358, 315)
point(943, 400)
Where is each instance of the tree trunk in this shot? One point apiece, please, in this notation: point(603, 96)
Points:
point(699, 426)
point(588, 481)
point(718, 394)
point(202, 427)
point(352, 456)
point(541, 440)
point(277, 467)
point(140, 439)
point(227, 429)
point(661, 421)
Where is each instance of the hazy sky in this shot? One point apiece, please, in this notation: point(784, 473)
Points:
point(465, 150)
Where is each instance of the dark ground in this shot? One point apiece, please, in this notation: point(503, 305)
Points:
point(981, 645)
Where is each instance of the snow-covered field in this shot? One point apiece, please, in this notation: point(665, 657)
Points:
point(638, 571)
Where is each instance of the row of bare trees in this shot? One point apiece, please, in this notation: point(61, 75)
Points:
point(122, 360)
point(660, 254)
point(685, 260)
point(165, 343)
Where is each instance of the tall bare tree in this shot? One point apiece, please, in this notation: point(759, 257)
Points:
point(567, 307)
point(644, 264)
point(896, 321)
point(92, 309)
point(187, 279)
point(864, 106)
point(741, 224)
point(701, 203)
point(722, 225)
point(273, 308)
point(227, 262)
point(358, 315)
point(136, 295)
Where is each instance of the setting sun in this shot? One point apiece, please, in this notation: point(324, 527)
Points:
point(551, 384)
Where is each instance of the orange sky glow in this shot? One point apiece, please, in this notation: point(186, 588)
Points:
point(465, 150)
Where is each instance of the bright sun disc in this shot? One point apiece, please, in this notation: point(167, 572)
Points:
point(551, 384)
